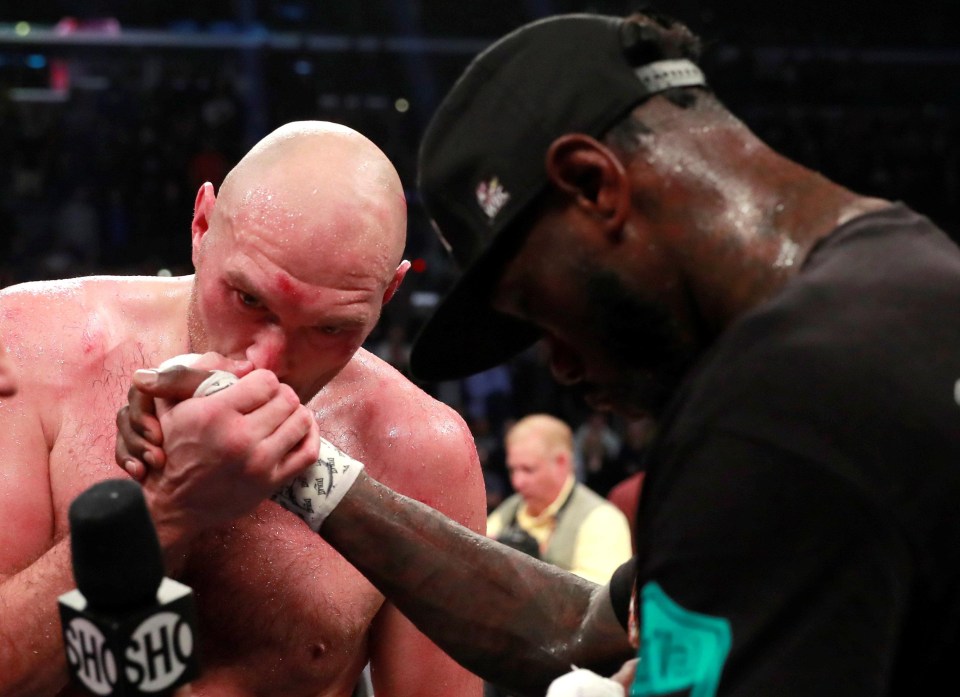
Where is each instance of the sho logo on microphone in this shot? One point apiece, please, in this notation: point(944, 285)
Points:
point(156, 656)
point(159, 651)
point(90, 657)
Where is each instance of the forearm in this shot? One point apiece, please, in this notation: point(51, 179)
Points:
point(32, 661)
point(501, 614)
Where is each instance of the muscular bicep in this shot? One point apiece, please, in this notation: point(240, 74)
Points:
point(405, 663)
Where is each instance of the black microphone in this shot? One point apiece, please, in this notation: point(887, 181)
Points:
point(127, 629)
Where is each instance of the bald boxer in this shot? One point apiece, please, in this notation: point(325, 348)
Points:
point(294, 258)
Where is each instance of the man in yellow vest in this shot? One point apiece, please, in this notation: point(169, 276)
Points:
point(551, 515)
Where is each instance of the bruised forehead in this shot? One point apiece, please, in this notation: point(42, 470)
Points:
point(345, 302)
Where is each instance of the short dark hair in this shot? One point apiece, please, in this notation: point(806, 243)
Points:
point(650, 37)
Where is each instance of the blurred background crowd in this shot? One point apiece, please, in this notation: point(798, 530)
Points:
point(112, 114)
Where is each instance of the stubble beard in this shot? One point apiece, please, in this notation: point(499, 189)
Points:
point(644, 340)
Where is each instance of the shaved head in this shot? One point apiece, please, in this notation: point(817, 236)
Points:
point(297, 253)
point(333, 189)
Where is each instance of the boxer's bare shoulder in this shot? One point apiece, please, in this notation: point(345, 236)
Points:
point(60, 331)
point(74, 344)
point(408, 440)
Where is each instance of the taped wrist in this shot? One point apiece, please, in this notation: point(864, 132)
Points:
point(314, 493)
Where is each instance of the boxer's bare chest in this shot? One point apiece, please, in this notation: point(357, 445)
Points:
point(280, 612)
point(84, 435)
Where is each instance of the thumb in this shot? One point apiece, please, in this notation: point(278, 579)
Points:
point(175, 383)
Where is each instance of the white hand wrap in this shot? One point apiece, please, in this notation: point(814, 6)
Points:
point(314, 493)
point(584, 683)
point(218, 380)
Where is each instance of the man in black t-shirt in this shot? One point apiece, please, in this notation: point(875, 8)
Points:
point(807, 479)
point(798, 529)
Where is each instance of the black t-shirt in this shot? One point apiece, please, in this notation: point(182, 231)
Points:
point(799, 528)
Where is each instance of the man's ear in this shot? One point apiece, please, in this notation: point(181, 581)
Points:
point(202, 212)
point(589, 172)
point(397, 280)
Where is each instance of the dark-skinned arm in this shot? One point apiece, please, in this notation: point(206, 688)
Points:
point(507, 617)
point(513, 620)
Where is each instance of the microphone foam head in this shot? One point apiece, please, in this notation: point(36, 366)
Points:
point(117, 561)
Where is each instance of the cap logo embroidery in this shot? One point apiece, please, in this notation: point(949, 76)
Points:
point(492, 197)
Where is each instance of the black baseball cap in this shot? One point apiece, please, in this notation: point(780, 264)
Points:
point(482, 164)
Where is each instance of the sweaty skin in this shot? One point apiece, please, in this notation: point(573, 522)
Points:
point(698, 249)
point(294, 259)
point(512, 619)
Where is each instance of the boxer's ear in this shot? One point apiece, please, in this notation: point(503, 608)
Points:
point(588, 171)
point(202, 212)
point(398, 277)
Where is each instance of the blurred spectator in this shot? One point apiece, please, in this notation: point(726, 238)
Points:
point(552, 516)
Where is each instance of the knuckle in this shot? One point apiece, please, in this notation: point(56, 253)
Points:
point(304, 418)
point(289, 395)
point(267, 378)
point(239, 445)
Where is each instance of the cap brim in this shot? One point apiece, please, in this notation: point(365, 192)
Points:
point(465, 335)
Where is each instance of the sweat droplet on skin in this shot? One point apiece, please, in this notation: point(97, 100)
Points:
point(787, 256)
